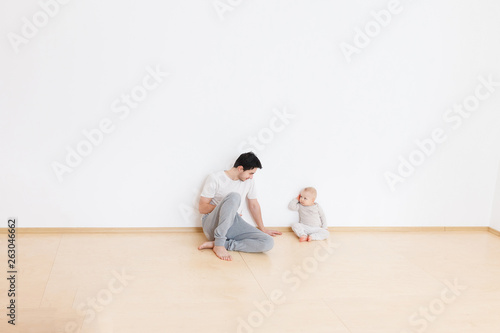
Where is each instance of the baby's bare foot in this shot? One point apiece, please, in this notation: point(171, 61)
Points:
point(309, 238)
point(302, 238)
point(206, 245)
point(221, 252)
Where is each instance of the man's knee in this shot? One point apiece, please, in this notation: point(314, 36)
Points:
point(233, 197)
point(267, 243)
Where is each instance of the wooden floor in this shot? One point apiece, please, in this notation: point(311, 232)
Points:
point(380, 282)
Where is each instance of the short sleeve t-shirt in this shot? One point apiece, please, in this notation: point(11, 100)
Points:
point(218, 185)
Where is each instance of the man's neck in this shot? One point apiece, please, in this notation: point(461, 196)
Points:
point(232, 173)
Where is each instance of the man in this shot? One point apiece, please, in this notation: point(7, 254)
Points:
point(221, 204)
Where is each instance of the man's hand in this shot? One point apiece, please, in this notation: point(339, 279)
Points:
point(254, 207)
point(271, 232)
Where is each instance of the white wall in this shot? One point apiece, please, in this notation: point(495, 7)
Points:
point(495, 211)
point(352, 120)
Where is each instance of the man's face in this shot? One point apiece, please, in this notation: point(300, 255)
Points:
point(245, 175)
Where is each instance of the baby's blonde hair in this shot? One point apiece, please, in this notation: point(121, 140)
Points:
point(312, 191)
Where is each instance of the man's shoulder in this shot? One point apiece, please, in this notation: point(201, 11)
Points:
point(220, 178)
point(217, 175)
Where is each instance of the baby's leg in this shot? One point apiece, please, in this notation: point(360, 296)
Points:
point(298, 229)
point(317, 234)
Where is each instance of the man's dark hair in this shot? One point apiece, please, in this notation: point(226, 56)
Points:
point(248, 161)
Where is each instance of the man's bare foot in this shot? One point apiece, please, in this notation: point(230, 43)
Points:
point(309, 238)
point(221, 252)
point(302, 238)
point(206, 245)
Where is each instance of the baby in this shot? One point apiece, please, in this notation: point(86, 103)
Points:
point(312, 222)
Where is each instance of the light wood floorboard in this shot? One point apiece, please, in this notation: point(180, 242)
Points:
point(357, 282)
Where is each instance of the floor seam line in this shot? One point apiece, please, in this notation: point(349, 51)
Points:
point(336, 315)
point(51, 269)
point(251, 271)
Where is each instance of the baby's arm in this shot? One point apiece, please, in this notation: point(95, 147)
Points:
point(322, 217)
point(294, 204)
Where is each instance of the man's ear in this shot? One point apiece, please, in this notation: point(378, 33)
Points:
point(240, 168)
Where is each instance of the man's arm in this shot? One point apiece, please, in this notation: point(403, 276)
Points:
point(254, 208)
point(204, 207)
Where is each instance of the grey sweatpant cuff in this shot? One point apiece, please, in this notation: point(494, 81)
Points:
point(220, 241)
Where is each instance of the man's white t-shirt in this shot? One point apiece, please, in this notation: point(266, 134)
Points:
point(218, 185)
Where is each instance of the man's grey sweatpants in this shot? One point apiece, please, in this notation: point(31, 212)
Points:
point(226, 227)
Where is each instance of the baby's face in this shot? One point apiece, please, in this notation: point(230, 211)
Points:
point(306, 199)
